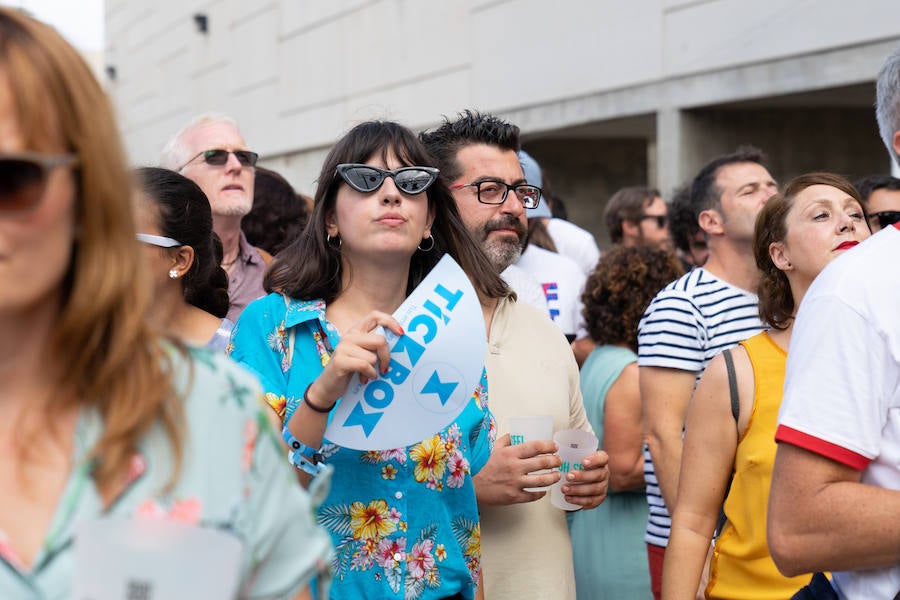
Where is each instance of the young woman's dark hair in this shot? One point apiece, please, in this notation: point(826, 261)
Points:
point(184, 215)
point(310, 267)
point(776, 302)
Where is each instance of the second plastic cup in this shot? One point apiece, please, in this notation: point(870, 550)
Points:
point(574, 446)
point(531, 429)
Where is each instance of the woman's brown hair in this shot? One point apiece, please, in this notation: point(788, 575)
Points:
point(106, 356)
point(776, 301)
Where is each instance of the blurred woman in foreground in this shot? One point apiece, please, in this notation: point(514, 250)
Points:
point(98, 417)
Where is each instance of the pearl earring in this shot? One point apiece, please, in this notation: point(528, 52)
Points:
point(173, 274)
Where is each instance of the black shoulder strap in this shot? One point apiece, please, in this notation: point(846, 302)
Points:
point(732, 385)
point(735, 412)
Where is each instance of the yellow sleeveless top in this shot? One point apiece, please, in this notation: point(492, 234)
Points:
point(742, 566)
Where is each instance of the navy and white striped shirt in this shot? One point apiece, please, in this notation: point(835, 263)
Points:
point(689, 322)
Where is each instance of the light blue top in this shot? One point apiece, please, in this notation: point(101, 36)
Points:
point(607, 542)
point(404, 522)
point(233, 479)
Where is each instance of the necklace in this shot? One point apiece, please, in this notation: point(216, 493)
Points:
point(232, 261)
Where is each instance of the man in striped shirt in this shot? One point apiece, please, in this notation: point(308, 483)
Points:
point(693, 319)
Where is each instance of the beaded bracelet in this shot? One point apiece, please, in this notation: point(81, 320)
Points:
point(298, 454)
point(323, 411)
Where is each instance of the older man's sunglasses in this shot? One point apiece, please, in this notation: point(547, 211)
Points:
point(23, 178)
point(366, 179)
point(217, 157)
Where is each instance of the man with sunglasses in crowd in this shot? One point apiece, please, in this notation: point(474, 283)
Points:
point(526, 550)
point(692, 319)
point(881, 197)
point(211, 151)
point(637, 216)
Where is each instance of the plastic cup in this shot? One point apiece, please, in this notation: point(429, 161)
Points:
point(151, 558)
point(531, 429)
point(574, 446)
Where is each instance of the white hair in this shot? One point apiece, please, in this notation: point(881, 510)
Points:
point(887, 102)
point(176, 153)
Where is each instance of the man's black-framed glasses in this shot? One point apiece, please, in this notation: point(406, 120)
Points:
point(886, 218)
point(492, 191)
point(661, 220)
point(366, 178)
point(217, 157)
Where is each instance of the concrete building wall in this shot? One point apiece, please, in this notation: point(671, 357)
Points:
point(607, 93)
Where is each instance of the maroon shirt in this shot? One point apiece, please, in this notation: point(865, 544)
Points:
point(245, 282)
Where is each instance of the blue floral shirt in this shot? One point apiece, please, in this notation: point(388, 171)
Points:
point(404, 522)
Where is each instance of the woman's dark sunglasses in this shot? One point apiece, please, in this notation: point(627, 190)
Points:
point(886, 218)
point(23, 178)
point(366, 179)
point(218, 157)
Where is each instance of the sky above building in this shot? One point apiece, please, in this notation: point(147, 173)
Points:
point(80, 21)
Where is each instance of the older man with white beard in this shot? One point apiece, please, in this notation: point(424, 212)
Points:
point(211, 151)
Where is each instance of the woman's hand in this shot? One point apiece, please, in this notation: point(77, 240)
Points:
point(362, 350)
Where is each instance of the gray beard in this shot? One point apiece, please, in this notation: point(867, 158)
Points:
point(502, 255)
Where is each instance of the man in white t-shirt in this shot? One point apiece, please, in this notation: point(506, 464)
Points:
point(835, 497)
point(693, 319)
point(562, 283)
point(570, 240)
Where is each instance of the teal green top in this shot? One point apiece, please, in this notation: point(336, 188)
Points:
point(608, 542)
point(234, 479)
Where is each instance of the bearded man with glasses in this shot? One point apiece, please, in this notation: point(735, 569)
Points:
point(211, 151)
point(526, 549)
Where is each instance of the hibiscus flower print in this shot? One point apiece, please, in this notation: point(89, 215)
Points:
point(390, 553)
point(372, 521)
point(278, 403)
point(420, 560)
point(458, 468)
point(365, 556)
point(431, 459)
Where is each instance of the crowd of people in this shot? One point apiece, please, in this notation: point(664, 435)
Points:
point(177, 343)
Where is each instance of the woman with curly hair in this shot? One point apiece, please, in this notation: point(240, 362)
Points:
point(608, 542)
point(729, 454)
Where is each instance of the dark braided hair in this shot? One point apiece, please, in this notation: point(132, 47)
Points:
point(184, 215)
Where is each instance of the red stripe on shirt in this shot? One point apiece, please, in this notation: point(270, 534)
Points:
point(826, 449)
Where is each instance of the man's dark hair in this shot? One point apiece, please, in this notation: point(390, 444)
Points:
point(868, 184)
point(705, 193)
point(278, 215)
point(682, 223)
point(470, 127)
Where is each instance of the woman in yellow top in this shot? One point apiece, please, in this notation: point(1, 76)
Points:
point(818, 217)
